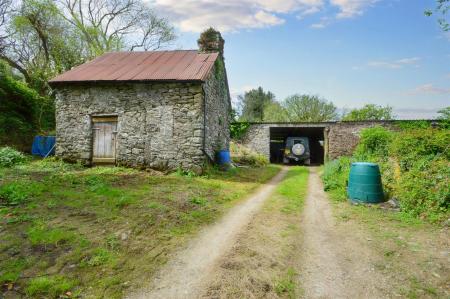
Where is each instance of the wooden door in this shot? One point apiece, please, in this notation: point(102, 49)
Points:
point(104, 143)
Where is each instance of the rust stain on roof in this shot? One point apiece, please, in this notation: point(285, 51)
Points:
point(183, 65)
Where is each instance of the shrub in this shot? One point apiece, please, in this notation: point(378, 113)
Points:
point(10, 157)
point(374, 142)
point(424, 190)
point(243, 156)
point(335, 176)
point(413, 145)
point(238, 129)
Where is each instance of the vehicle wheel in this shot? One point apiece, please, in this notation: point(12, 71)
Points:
point(308, 162)
point(285, 161)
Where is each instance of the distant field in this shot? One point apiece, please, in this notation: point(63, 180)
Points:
point(66, 230)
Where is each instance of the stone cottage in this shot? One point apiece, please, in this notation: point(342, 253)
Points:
point(159, 109)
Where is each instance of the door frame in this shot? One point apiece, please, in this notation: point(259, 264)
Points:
point(98, 118)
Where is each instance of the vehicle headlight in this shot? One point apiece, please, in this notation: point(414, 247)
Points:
point(287, 151)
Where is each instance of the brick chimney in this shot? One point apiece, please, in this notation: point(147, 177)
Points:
point(211, 41)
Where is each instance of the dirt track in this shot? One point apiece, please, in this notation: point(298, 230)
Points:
point(336, 264)
point(244, 255)
point(185, 275)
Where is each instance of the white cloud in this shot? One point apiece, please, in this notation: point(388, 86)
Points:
point(233, 15)
point(429, 89)
point(351, 8)
point(395, 64)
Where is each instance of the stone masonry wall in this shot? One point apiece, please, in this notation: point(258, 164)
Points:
point(341, 137)
point(159, 125)
point(257, 138)
point(217, 105)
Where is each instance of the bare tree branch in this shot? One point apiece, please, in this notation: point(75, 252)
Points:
point(111, 25)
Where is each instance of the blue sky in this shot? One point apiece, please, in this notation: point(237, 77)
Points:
point(351, 52)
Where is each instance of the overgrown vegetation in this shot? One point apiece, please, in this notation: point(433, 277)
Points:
point(22, 111)
point(10, 157)
point(415, 165)
point(242, 155)
point(62, 224)
point(238, 130)
point(369, 112)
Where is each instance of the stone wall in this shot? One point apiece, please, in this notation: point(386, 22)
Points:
point(218, 106)
point(257, 138)
point(341, 138)
point(159, 125)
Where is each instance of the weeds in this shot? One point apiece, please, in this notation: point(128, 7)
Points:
point(286, 284)
point(10, 157)
point(16, 193)
point(100, 257)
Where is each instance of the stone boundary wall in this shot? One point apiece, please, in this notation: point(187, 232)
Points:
point(341, 138)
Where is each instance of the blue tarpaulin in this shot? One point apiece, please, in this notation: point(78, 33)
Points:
point(43, 146)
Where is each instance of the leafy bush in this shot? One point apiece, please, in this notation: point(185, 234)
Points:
point(413, 145)
point(238, 129)
point(10, 157)
point(374, 142)
point(243, 156)
point(424, 190)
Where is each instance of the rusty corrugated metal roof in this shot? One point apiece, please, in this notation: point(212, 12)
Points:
point(183, 65)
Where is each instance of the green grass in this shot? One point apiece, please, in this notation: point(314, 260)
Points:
point(78, 221)
point(286, 285)
point(11, 270)
point(293, 189)
point(42, 235)
point(50, 287)
point(288, 200)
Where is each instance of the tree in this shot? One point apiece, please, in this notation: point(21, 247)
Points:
point(40, 44)
point(254, 103)
point(113, 25)
point(444, 113)
point(369, 112)
point(18, 109)
point(5, 11)
point(42, 38)
point(274, 112)
point(307, 108)
point(442, 8)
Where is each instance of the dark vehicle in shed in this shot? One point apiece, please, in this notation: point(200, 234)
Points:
point(296, 149)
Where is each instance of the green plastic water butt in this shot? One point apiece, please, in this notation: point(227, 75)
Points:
point(364, 183)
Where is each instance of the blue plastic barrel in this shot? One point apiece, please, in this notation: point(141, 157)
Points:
point(223, 157)
point(364, 183)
